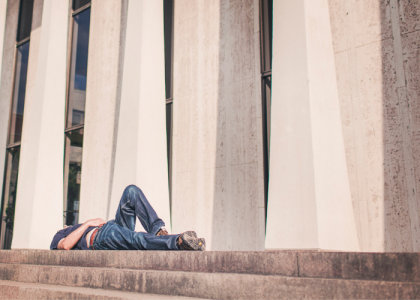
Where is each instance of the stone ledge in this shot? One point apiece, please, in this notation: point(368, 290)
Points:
point(402, 267)
point(209, 285)
point(19, 290)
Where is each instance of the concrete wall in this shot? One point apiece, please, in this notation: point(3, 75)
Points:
point(309, 203)
point(103, 92)
point(40, 190)
point(8, 43)
point(217, 160)
point(3, 8)
point(141, 140)
point(377, 61)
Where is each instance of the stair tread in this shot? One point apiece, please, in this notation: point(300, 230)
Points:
point(89, 292)
point(401, 267)
point(106, 269)
point(209, 285)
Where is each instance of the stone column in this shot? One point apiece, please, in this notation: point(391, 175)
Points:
point(39, 204)
point(309, 204)
point(103, 92)
point(9, 12)
point(3, 8)
point(141, 140)
point(217, 159)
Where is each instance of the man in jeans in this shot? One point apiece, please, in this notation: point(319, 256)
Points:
point(119, 234)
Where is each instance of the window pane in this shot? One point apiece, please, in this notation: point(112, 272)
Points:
point(25, 19)
point(267, 108)
point(267, 36)
point(73, 175)
point(78, 69)
point(169, 149)
point(9, 197)
point(18, 101)
point(168, 23)
point(79, 3)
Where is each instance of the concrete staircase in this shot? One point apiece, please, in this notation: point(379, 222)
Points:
point(43, 274)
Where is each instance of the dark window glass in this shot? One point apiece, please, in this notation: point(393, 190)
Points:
point(25, 19)
point(19, 90)
point(73, 175)
point(267, 34)
point(79, 3)
point(9, 197)
point(168, 13)
point(169, 147)
point(266, 13)
point(168, 23)
point(266, 107)
point(78, 69)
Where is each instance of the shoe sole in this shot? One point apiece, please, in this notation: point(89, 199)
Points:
point(190, 240)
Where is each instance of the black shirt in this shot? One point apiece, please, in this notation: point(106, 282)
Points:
point(80, 245)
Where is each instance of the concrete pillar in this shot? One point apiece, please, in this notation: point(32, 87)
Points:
point(103, 92)
point(8, 26)
point(309, 204)
point(39, 204)
point(3, 7)
point(217, 159)
point(141, 140)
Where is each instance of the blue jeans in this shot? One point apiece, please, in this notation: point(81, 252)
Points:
point(119, 234)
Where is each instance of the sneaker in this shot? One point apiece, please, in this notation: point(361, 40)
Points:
point(189, 241)
point(162, 231)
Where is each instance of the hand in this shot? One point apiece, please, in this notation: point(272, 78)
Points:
point(96, 222)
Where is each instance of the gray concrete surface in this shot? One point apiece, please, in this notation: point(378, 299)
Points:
point(209, 285)
point(39, 208)
point(402, 267)
point(376, 57)
point(18, 290)
point(217, 137)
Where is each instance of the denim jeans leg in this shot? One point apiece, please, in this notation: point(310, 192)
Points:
point(112, 236)
point(134, 203)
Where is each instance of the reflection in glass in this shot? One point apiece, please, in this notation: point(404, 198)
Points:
point(168, 130)
point(25, 19)
point(9, 197)
point(18, 101)
point(79, 3)
point(267, 107)
point(169, 149)
point(267, 15)
point(72, 175)
point(78, 69)
point(168, 23)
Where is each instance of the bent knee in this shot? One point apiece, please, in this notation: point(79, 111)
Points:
point(132, 188)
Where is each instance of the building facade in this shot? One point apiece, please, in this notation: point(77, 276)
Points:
point(261, 124)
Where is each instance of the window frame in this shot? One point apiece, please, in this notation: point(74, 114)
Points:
point(17, 145)
point(169, 100)
point(265, 105)
point(70, 129)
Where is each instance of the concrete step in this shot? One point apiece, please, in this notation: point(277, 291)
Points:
point(208, 285)
point(19, 290)
point(401, 267)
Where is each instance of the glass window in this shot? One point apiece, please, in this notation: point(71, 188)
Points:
point(79, 3)
point(18, 101)
point(78, 69)
point(25, 19)
point(73, 175)
point(266, 14)
point(168, 23)
point(168, 13)
point(9, 197)
point(76, 114)
point(266, 34)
